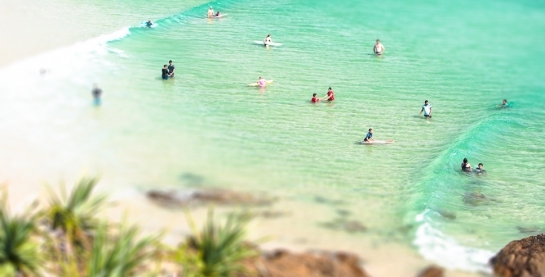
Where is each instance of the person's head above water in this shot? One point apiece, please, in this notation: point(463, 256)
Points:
point(314, 95)
point(370, 130)
point(329, 88)
point(269, 35)
point(426, 102)
point(504, 101)
point(378, 41)
point(465, 160)
point(170, 61)
point(480, 165)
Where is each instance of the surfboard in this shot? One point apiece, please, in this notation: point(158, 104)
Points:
point(270, 44)
point(267, 82)
point(376, 142)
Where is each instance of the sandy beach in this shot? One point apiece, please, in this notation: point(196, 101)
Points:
point(37, 27)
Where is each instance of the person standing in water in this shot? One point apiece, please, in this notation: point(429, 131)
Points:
point(426, 109)
point(268, 40)
point(165, 74)
point(379, 48)
point(171, 68)
point(97, 92)
point(314, 99)
point(466, 167)
point(210, 12)
point(330, 95)
point(369, 136)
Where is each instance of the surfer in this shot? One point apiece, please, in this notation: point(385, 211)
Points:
point(330, 95)
point(149, 23)
point(379, 48)
point(268, 40)
point(97, 92)
point(426, 109)
point(479, 170)
point(165, 73)
point(369, 136)
point(261, 82)
point(171, 68)
point(210, 12)
point(466, 167)
point(218, 14)
point(314, 99)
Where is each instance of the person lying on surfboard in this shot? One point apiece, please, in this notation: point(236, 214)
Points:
point(369, 136)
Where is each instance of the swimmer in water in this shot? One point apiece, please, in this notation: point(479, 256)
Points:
point(314, 99)
point(262, 82)
point(97, 92)
point(330, 95)
point(165, 74)
point(379, 48)
point(426, 109)
point(466, 167)
point(268, 40)
point(369, 136)
point(210, 12)
point(149, 23)
point(479, 170)
point(504, 104)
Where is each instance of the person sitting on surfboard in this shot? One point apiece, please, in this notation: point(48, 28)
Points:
point(267, 40)
point(261, 82)
point(378, 48)
point(466, 167)
point(210, 12)
point(148, 24)
point(426, 109)
point(330, 95)
point(369, 136)
point(314, 99)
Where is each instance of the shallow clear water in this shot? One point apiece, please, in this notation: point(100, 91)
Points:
point(463, 57)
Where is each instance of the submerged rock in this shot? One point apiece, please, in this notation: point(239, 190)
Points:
point(474, 198)
point(181, 198)
point(432, 271)
point(521, 258)
point(343, 224)
point(282, 263)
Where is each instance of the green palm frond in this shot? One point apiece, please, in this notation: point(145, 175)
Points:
point(18, 250)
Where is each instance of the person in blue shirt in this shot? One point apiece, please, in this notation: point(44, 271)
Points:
point(369, 136)
point(426, 109)
point(148, 24)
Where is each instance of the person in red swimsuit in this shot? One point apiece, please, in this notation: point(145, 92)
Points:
point(330, 95)
point(314, 99)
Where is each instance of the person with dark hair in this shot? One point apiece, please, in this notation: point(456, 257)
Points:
point(171, 68)
point(148, 24)
point(314, 99)
point(165, 73)
point(330, 95)
point(369, 136)
point(218, 14)
point(267, 40)
point(479, 170)
point(504, 104)
point(379, 48)
point(426, 109)
point(97, 92)
point(466, 167)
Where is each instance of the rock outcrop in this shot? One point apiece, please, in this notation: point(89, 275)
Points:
point(521, 258)
point(432, 271)
point(282, 263)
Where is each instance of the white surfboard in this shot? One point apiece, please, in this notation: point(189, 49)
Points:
point(267, 82)
point(270, 44)
point(376, 142)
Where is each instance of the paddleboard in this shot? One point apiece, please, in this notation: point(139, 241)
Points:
point(270, 44)
point(376, 142)
point(267, 82)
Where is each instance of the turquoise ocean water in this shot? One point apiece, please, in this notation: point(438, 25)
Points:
point(464, 57)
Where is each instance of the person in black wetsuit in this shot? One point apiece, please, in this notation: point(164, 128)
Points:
point(148, 24)
point(171, 68)
point(165, 74)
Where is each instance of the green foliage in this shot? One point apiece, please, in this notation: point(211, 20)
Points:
point(121, 254)
point(74, 215)
point(18, 251)
point(222, 248)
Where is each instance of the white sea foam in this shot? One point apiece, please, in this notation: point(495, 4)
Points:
point(435, 246)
